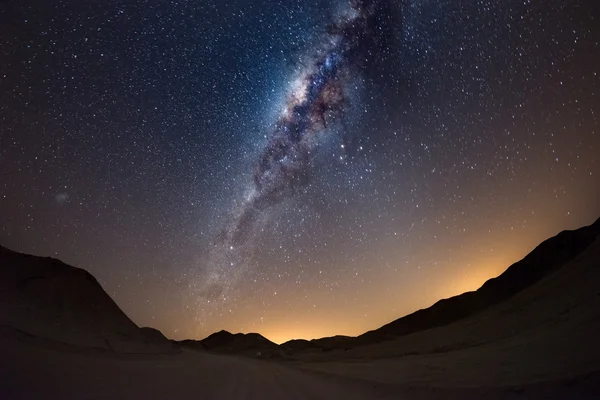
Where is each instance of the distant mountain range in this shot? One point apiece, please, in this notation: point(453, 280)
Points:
point(46, 299)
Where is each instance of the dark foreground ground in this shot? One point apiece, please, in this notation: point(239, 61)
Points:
point(36, 373)
point(31, 372)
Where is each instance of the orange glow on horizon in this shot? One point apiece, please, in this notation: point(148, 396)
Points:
point(353, 309)
point(484, 268)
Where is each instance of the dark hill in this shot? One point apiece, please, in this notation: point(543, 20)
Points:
point(250, 344)
point(46, 299)
point(549, 256)
point(218, 340)
point(323, 344)
point(299, 344)
point(235, 343)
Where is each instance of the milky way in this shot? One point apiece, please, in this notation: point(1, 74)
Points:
point(318, 97)
point(289, 166)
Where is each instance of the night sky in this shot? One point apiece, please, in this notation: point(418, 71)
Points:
point(295, 168)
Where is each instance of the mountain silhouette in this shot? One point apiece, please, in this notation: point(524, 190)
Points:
point(44, 299)
point(545, 259)
point(252, 344)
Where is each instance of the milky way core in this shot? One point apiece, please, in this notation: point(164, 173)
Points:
point(318, 98)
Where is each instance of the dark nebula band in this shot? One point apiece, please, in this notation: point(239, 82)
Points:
point(317, 97)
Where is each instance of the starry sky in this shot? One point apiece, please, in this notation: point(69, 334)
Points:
point(295, 168)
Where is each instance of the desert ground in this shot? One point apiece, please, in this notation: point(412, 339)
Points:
point(188, 375)
point(463, 374)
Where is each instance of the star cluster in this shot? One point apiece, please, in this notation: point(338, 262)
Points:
point(295, 168)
